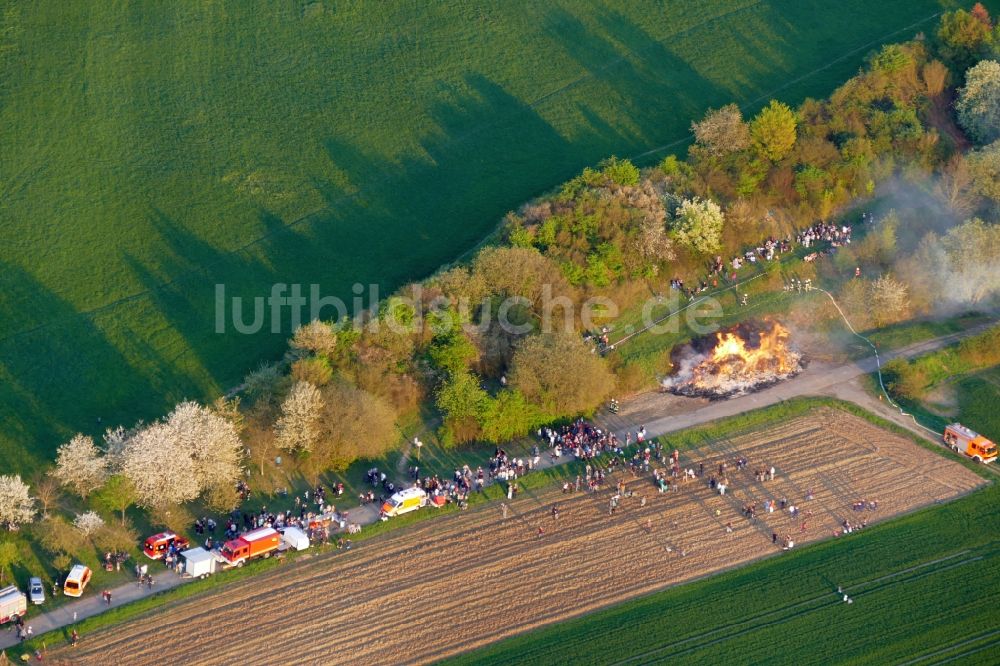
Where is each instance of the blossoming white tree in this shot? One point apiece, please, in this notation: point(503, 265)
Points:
point(115, 440)
point(298, 426)
point(17, 507)
point(978, 104)
point(161, 474)
point(88, 522)
point(80, 466)
point(211, 442)
point(722, 131)
point(888, 300)
point(698, 224)
point(173, 461)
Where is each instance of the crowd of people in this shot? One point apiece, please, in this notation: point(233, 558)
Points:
point(602, 452)
point(113, 560)
point(836, 235)
point(586, 442)
point(582, 439)
point(142, 575)
point(848, 526)
point(311, 513)
point(771, 249)
point(465, 480)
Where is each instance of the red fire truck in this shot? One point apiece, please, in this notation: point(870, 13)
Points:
point(13, 603)
point(257, 543)
point(970, 442)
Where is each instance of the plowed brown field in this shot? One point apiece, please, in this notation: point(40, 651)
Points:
point(462, 580)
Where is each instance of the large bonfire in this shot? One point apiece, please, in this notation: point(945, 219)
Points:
point(747, 357)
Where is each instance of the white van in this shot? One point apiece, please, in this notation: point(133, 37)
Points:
point(404, 501)
point(76, 581)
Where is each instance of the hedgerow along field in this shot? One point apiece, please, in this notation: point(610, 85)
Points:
point(152, 151)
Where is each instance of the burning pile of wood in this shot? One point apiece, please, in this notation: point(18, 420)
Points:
point(747, 357)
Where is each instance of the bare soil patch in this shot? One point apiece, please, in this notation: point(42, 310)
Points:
point(451, 584)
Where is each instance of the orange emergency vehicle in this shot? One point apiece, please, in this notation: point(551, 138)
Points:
point(258, 543)
point(969, 442)
point(156, 546)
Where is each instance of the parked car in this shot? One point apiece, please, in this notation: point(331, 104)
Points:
point(36, 591)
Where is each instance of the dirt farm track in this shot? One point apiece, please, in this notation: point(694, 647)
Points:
point(459, 581)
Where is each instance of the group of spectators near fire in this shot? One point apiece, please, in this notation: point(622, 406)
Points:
point(586, 442)
point(770, 249)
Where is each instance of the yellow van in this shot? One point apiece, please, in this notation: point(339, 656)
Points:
point(76, 581)
point(404, 501)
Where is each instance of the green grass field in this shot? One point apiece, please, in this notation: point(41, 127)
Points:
point(923, 590)
point(974, 397)
point(154, 150)
point(978, 397)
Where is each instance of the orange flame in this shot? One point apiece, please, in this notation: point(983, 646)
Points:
point(770, 355)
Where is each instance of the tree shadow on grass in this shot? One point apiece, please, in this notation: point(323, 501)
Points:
point(57, 379)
